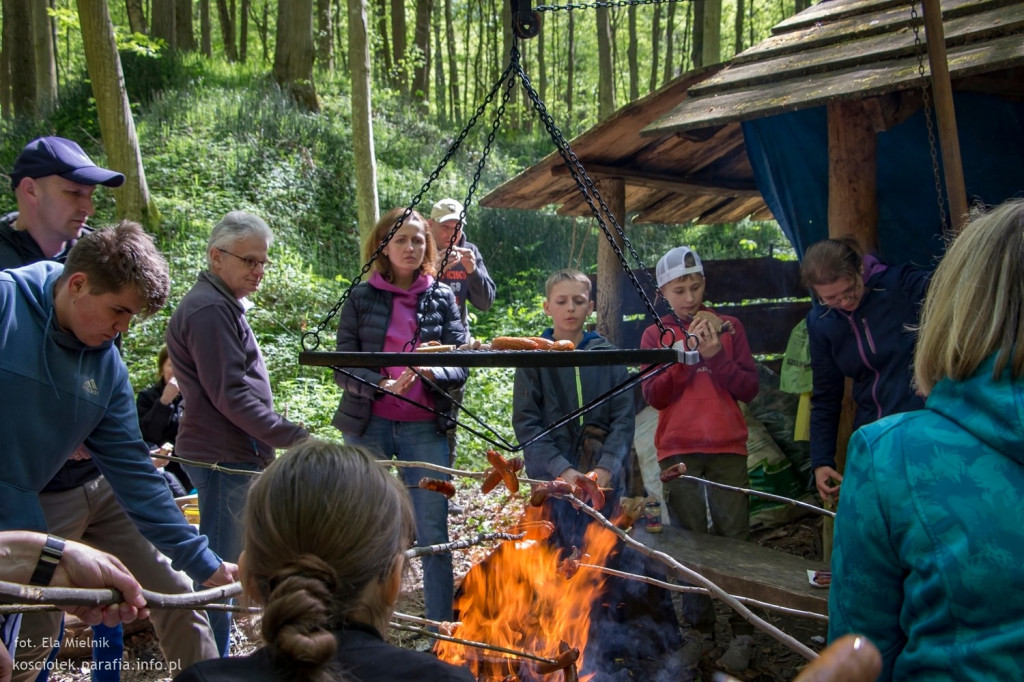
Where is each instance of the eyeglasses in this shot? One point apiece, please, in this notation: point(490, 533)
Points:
point(850, 293)
point(250, 263)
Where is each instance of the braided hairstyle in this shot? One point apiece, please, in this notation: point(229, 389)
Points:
point(324, 523)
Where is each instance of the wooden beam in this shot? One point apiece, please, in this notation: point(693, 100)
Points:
point(943, 92)
point(852, 177)
point(609, 284)
point(668, 183)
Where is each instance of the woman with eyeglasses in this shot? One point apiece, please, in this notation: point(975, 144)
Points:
point(859, 327)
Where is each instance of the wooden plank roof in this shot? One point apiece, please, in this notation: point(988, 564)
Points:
point(853, 49)
point(669, 179)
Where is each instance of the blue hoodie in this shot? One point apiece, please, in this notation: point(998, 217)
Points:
point(928, 538)
point(57, 393)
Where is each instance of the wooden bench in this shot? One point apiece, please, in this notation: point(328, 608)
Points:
point(740, 568)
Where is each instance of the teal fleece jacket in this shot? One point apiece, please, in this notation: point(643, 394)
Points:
point(57, 393)
point(928, 538)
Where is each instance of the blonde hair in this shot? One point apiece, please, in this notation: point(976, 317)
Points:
point(974, 301)
point(387, 221)
point(321, 524)
point(567, 275)
point(830, 260)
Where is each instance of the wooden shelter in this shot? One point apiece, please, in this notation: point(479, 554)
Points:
point(684, 153)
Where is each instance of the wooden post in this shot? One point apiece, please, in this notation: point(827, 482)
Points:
point(942, 92)
point(852, 210)
point(852, 181)
point(609, 270)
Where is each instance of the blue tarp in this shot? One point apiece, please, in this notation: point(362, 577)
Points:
point(789, 155)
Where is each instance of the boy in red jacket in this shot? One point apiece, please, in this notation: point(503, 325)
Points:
point(700, 424)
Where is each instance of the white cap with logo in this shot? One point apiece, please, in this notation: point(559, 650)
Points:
point(673, 265)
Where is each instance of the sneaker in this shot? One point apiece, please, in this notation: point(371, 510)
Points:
point(737, 657)
point(455, 509)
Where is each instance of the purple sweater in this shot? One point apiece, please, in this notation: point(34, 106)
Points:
point(220, 371)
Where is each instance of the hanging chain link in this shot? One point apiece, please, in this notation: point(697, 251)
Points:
point(311, 339)
point(599, 4)
point(590, 193)
point(926, 102)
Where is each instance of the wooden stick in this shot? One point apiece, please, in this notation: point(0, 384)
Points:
point(758, 493)
point(476, 645)
point(703, 590)
point(461, 544)
point(692, 576)
point(74, 596)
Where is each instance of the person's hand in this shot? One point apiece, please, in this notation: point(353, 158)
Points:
point(603, 477)
point(851, 658)
point(569, 475)
point(225, 574)
point(158, 454)
point(6, 664)
point(466, 258)
point(83, 566)
point(171, 391)
point(710, 344)
point(81, 453)
point(827, 481)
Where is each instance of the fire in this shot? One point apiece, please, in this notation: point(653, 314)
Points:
point(520, 599)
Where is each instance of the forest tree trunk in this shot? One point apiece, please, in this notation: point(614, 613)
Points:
point(46, 65)
point(227, 30)
point(115, 114)
point(362, 117)
point(293, 53)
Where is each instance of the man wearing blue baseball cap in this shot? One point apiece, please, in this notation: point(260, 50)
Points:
point(53, 181)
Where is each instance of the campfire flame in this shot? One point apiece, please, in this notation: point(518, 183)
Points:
point(520, 598)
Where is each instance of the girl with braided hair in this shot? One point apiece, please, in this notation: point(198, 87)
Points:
point(326, 528)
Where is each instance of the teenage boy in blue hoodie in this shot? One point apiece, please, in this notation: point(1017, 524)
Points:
point(54, 181)
point(61, 374)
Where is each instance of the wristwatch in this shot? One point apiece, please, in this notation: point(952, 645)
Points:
point(51, 555)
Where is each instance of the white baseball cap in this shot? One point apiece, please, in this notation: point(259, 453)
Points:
point(445, 210)
point(672, 265)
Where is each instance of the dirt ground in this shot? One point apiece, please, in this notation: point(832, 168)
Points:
point(772, 661)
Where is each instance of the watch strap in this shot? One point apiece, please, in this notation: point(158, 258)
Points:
point(51, 555)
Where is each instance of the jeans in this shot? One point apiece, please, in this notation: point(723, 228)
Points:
point(419, 441)
point(221, 501)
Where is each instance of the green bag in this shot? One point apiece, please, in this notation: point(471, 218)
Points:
point(795, 376)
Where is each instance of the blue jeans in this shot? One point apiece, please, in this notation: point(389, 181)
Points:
point(419, 441)
point(221, 501)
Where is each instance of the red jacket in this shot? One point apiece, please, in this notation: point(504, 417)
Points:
point(697, 404)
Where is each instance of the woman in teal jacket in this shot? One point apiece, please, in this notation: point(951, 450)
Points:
point(928, 539)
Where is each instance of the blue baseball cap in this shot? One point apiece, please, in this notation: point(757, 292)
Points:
point(57, 156)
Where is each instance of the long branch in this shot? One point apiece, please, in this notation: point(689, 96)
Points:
point(693, 576)
point(461, 544)
point(76, 596)
point(477, 645)
point(760, 493)
point(703, 590)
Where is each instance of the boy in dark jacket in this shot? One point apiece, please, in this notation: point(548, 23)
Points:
point(596, 443)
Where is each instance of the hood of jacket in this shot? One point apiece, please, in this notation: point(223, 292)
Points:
point(990, 410)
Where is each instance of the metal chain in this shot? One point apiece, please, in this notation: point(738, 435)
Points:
point(599, 4)
point(929, 124)
point(590, 193)
point(311, 339)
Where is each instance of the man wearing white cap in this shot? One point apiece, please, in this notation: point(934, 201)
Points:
point(464, 272)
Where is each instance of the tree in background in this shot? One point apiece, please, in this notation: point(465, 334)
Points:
point(115, 115)
point(293, 55)
point(45, 59)
point(21, 60)
point(605, 74)
point(421, 42)
point(362, 117)
point(226, 16)
point(136, 17)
